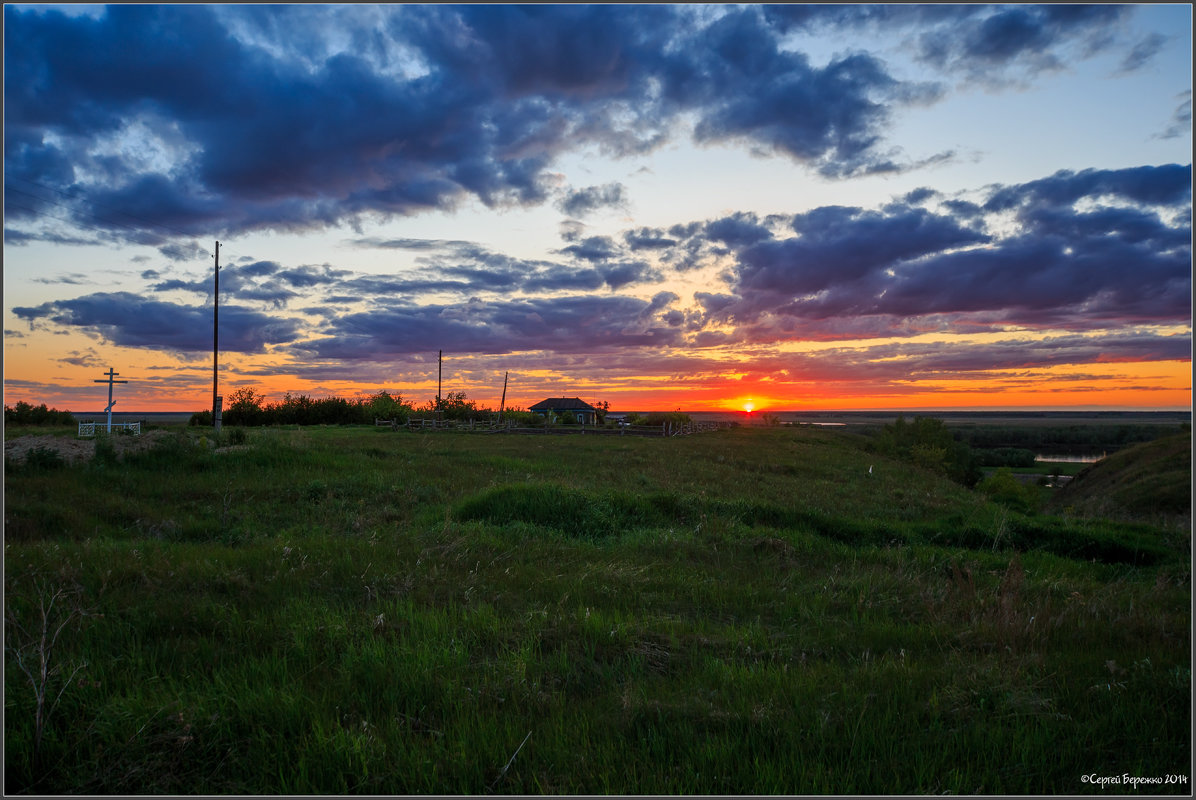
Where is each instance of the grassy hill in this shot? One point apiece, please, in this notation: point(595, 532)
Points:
point(752, 611)
point(1152, 480)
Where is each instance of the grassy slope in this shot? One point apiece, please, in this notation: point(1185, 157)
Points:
point(744, 612)
point(1153, 479)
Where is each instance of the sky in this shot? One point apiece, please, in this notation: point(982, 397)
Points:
point(796, 207)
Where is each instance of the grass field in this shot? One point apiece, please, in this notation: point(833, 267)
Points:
point(751, 611)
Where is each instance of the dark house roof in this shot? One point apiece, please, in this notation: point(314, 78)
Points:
point(562, 404)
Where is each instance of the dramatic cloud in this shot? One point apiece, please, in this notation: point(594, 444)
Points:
point(985, 43)
point(683, 192)
point(1064, 264)
point(569, 324)
point(127, 320)
point(145, 132)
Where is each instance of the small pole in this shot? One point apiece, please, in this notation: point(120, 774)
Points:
point(110, 380)
point(439, 373)
point(503, 403)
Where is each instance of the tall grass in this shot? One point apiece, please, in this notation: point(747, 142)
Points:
point(742, 612)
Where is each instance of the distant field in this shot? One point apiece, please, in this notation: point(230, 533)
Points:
point(751, 611)
point(157, 417)
point(840, 417)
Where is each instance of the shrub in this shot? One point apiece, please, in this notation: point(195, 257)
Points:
point(244, 408)
point(1004, 488)
point(43, 459)
point(383, 405)
point(927, 442)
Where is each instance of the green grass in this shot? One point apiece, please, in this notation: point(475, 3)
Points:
point(1151, 480)
point(743, 612)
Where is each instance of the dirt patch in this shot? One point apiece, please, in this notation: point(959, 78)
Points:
point(75, 451)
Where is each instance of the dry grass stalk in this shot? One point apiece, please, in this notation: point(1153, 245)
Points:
point(34, 647)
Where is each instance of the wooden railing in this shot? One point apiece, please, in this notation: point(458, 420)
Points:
point(89, 428)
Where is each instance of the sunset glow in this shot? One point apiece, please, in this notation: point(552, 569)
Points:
point(661, 207)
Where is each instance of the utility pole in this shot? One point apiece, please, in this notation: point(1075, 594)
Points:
point(439, 373)
point(503, 403)
point(216, 342)
point(110, 380)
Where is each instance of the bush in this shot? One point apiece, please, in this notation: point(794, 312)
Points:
point(927, 443)
point(522, 418)
point(385, 406)
point(43, 459)
point(1002, 487)
point(244, 408)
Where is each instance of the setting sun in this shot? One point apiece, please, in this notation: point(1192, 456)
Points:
point(748, 406)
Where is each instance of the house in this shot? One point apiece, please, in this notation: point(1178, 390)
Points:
point(558, 407)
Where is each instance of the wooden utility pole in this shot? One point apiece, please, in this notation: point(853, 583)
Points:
point(439, 373)
point(503, 403)
point(216, 339)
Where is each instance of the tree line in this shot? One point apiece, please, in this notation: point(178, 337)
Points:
point(26, 414)
point(246, 407)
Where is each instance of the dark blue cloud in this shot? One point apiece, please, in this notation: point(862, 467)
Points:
point(258, 269)
point(837, 245)
point(1168, 184)
point(738, 230)
point(581, 202)
point(648, 239)
point(410, 244)
point(127, 320)
point(1091, 249)
point(20, 237)
point(593, 248)
point(743, 85)
point(981, 42)
point(308, 276)
point(571, 324)
point(268, 125)
point(184, 251)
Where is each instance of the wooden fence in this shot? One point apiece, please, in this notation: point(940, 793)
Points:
point(90, 428)
point(510, 426)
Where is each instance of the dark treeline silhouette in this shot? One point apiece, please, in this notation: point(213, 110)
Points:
point(25, 414)
point(245, 407)
point(1062, 439)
